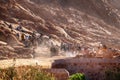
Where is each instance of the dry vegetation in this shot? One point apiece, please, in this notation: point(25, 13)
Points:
point(25, 73)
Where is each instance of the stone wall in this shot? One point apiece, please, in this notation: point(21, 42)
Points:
point(59, 74)
point(93, 68)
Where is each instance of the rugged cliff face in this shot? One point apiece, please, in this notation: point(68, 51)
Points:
point(73, 21)
point(82, 21)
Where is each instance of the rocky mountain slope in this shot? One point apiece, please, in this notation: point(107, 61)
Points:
point(84, 22)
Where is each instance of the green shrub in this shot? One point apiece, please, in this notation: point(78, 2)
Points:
point(77, 76)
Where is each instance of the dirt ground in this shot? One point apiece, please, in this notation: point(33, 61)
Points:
point(42, 61)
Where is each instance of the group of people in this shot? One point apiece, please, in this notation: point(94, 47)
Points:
point(29, 39)
point(33, 39)
point(102, 50)
point(68, 47)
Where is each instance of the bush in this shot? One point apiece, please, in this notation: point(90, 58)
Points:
point(24, 73)
point(77, 76)
point(8, 74)
point(36, 74)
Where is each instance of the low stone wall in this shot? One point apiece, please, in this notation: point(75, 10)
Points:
point(59, 74)
point(93, 68)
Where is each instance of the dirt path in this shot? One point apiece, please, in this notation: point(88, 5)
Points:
point(42, 61)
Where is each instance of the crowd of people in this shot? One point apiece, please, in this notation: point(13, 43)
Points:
point(28, 39)
point(102, 51)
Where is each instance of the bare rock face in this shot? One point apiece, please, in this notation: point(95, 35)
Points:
point(7, 36)
point(2, 43)
point(82, 22)
point(2, 37)
point(24, 52)
point(13, 41)
point(79, 21)
point(7, 52)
